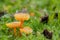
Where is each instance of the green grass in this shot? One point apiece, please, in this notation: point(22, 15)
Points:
point(34, 22)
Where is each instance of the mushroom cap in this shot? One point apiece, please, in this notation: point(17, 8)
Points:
point(22, 16)
point(13, 24)
point(26, 30)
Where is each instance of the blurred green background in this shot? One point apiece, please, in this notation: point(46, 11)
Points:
point(39, 7)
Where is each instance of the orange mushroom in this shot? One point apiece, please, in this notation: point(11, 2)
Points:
point(32, 14)
point(26, 30)
point(22, 17)
point(13, 25)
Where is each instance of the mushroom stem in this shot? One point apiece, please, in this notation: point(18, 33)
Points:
point(20, 33)
point(21, 24)
point(14, 31)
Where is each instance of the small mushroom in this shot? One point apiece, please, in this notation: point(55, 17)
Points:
point(13, 25)
point(22, 17)
point(32, 14)
point(26, 30)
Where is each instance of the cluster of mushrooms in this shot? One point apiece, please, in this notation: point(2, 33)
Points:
point(21, 17)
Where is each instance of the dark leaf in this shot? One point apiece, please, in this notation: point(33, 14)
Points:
point(1, 14)
point(54, 8)
point(47, 34)
point(44, 19)
point(56, 15)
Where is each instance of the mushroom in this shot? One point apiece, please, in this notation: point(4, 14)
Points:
point(13, 25)
point(26, 30)
point(22, 17)
point(32, 14)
